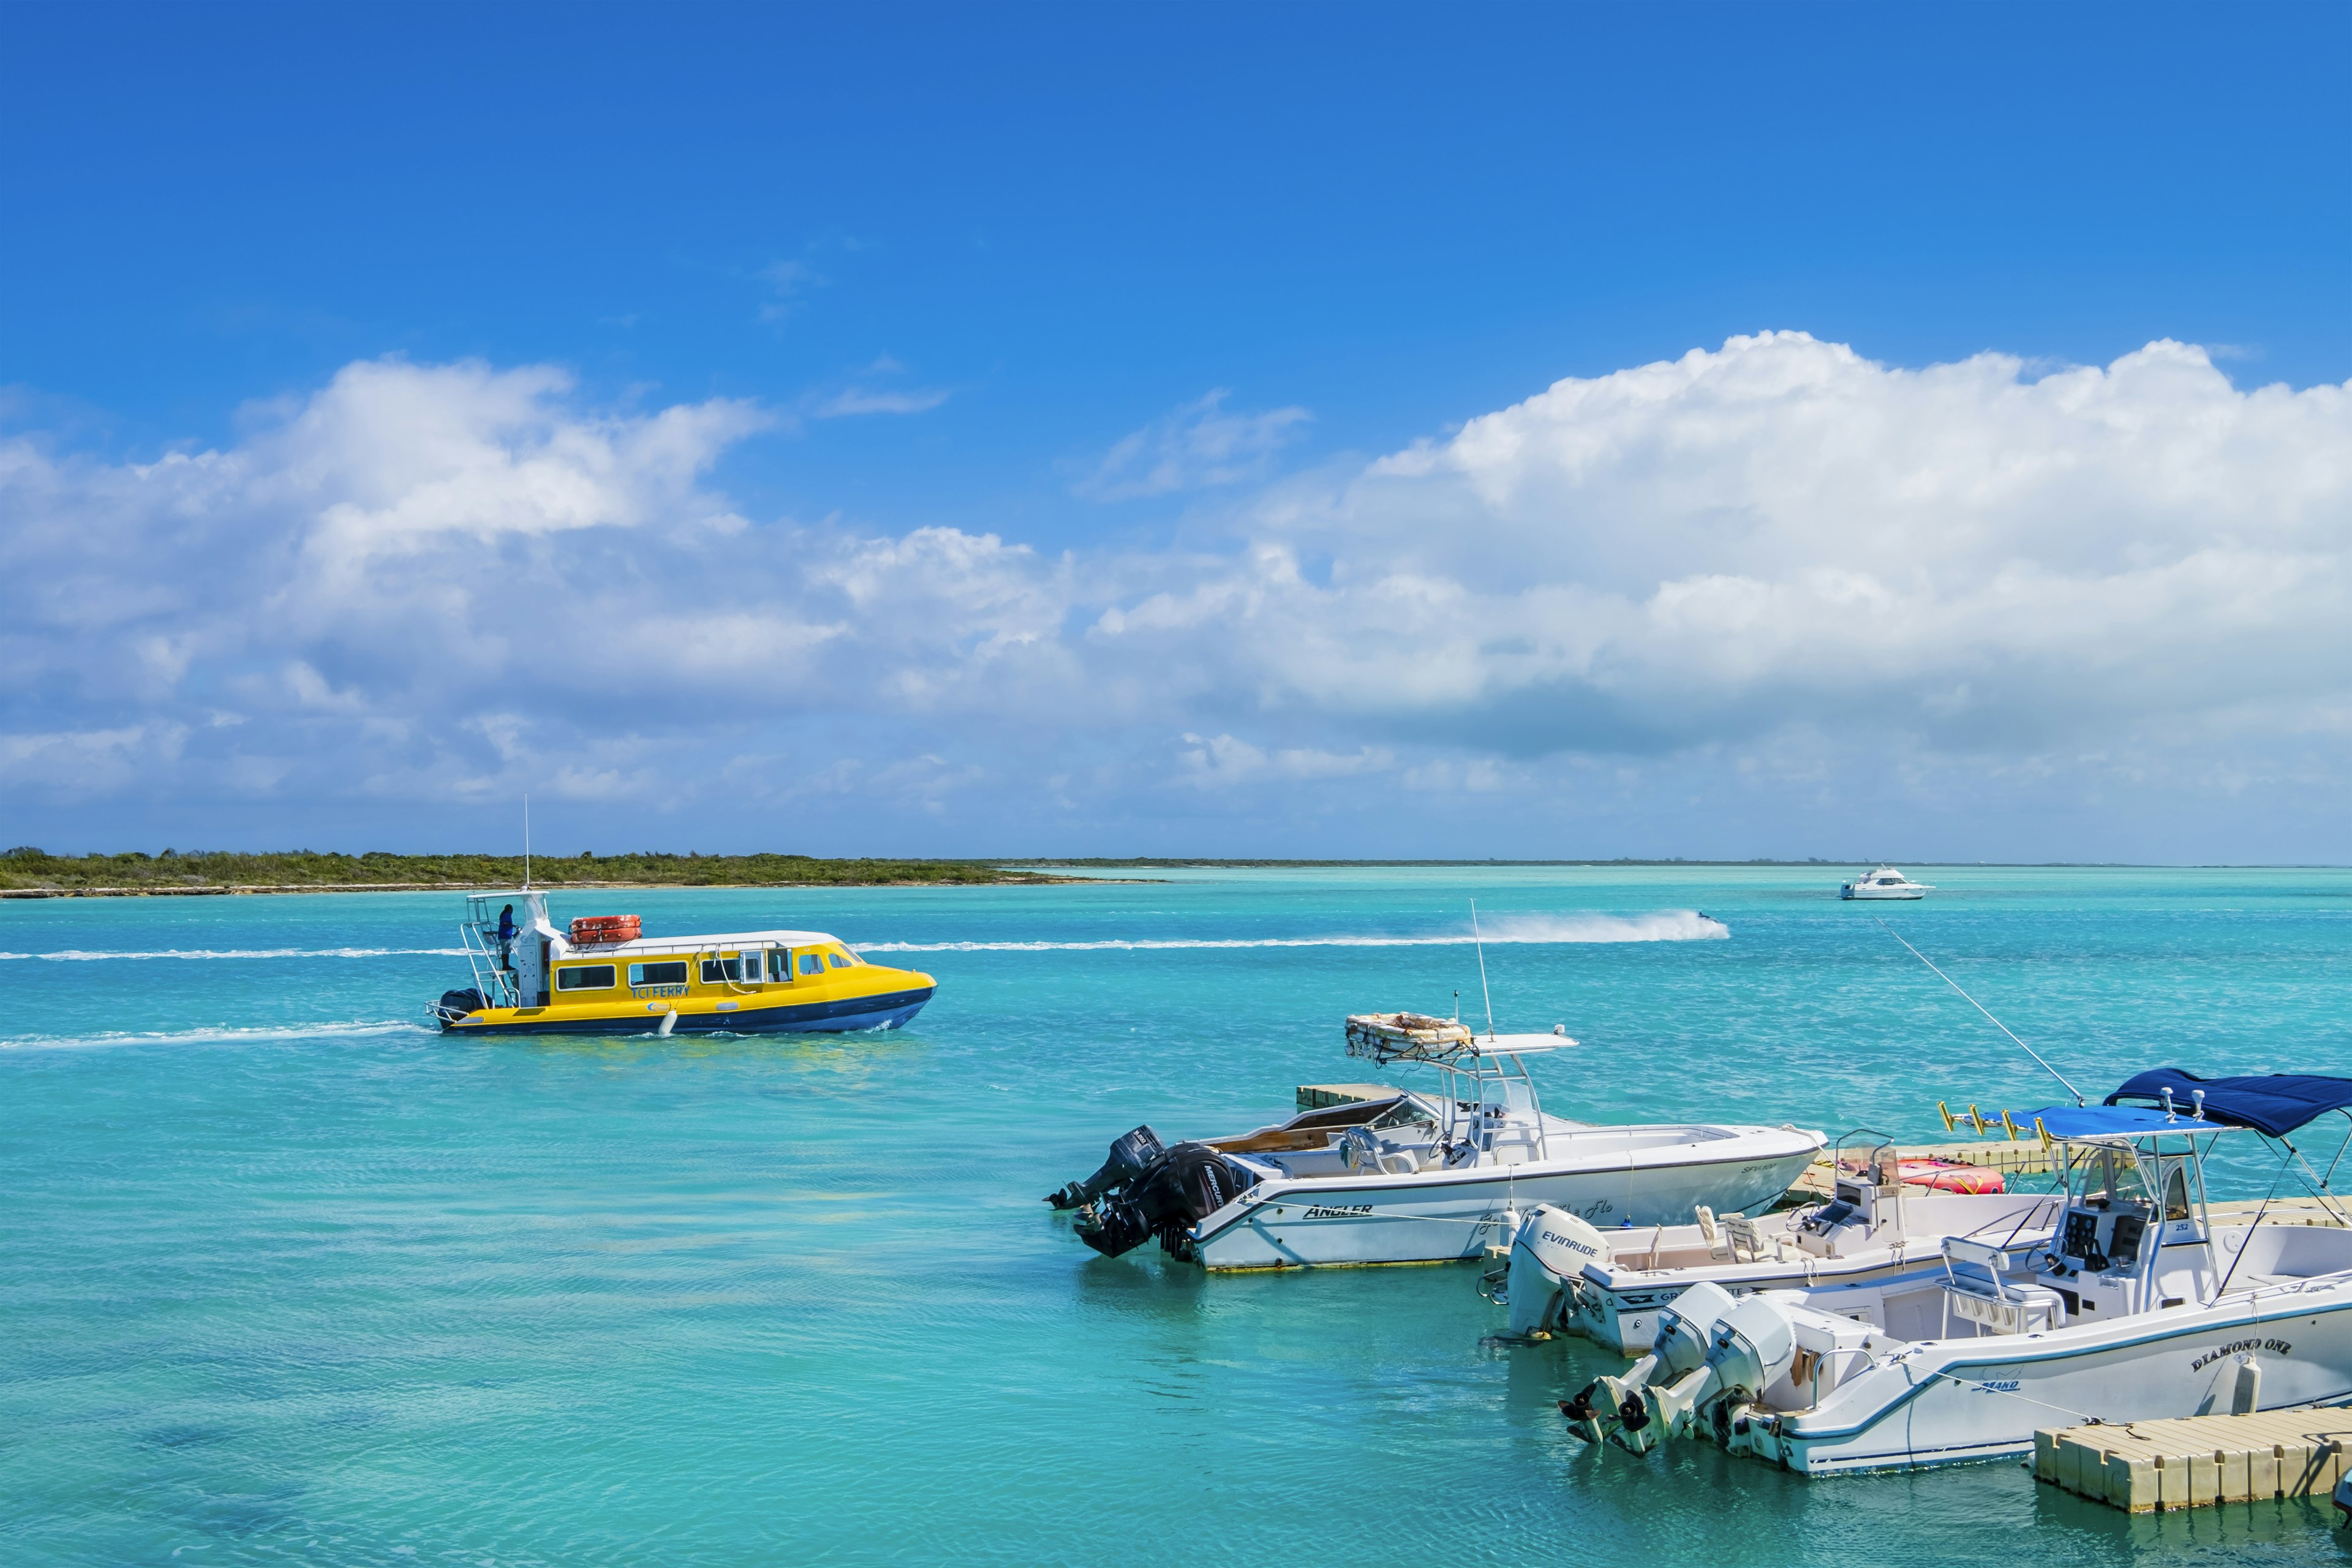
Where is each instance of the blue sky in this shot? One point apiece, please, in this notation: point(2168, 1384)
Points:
point(1070, 430)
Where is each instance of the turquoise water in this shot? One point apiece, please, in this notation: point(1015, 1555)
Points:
point(288, 1278)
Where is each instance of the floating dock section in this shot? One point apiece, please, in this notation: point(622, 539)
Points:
point(2196, 1461)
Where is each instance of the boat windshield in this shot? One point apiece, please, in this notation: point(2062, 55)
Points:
point(2110, 1176)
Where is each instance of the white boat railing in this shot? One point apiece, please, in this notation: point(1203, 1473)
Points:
point(493, 976)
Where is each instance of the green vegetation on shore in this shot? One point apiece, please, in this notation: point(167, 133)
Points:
point(27, 869)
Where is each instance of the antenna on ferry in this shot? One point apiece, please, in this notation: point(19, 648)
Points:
point(526, 844)
point(1480, 944)
point(1980, 1007)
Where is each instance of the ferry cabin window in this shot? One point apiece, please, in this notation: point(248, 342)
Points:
point(591, 978)
point(719, 971)
point(811, 963)
point(838, 958)
point(779, 964)
point(672, 974)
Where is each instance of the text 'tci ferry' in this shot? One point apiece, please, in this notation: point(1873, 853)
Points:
point(600, 976)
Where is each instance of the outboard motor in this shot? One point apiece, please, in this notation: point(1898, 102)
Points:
point(1129, 1156)
point(1712, 1353)
point(1167, 1199)
point(1547, 1258)
point(456, 1005)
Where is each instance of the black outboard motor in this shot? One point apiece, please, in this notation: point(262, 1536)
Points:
point(1129, 1157)
point(456, 1005)
point(1170, 1196)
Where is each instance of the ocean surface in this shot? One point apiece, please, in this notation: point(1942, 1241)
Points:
point(285, 1277)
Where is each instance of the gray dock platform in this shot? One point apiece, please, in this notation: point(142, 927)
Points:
point(2196, 1461)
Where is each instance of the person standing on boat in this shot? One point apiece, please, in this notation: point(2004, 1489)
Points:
point(506, 939)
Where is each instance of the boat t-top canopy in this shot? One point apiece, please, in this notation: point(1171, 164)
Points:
point(2171, 1099)
point(2272, 1103)
point(2084, 1123)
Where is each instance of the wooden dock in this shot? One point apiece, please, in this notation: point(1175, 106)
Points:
point(2198, 1460)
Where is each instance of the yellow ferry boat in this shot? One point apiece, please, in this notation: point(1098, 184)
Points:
point(600, 976)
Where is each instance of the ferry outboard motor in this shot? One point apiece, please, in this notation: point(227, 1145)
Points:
point(1712, 1353)
point(1547, 1258)
point(1167, 1199)
point(456, 1005)
point(1130, 1155)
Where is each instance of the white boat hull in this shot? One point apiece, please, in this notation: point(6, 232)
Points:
point(1952, 1400)
point(1883, 893)
point(1439, 1216)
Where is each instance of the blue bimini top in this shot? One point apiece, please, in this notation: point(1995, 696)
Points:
point(2121, 1121)
point(2272, 1103)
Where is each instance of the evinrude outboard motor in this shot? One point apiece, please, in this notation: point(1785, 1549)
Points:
point(1547, 1258)
point(1129, 1156)
point(1171, 1195)
point(1717, 1353)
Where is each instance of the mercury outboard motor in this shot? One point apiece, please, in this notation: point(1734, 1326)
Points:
point(1175, 1193)
point(1129, 1156)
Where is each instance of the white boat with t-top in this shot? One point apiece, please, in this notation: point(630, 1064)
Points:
point(2139, 1307)
point(1420, 1177)
point(1565, 1276)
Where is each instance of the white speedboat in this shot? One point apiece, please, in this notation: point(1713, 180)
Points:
point(1566, 1276)
point(2140, 1308)
point(1421, 1177)
point(1886, 882)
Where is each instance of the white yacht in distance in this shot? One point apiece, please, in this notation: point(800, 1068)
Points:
point(1421, 1177)
point(1886, 882)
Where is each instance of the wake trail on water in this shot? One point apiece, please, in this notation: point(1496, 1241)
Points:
point(218, 1035)
point(79, 956)
point(1666, 925)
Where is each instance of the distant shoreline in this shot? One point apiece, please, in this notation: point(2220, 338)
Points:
point(251, 889)
point(1832, 866)
point(29, 873)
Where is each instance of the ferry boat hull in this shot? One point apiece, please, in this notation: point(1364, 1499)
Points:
point(889, 1010)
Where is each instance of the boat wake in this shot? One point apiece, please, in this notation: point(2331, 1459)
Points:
point(219, 1034)
point(1666, 925)
point(79, 956)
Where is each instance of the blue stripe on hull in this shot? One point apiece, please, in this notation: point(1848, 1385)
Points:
point(884, 1011)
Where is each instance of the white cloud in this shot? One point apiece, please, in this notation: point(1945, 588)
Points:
point(1763, 572)
point(1783, 531)
point(1198, 446)
point(1219, 761)
point(858, 400)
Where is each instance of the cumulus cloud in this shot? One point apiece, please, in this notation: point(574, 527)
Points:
point(1774, 561)
point(1782, 532)
point(1194, 447)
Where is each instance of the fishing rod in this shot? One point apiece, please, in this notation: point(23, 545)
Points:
point(1980, 1007)
point(1481, 943)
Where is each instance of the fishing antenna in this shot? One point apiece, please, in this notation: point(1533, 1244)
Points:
point(1980, 1007)
point(526, 844)
point(1480, 944)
